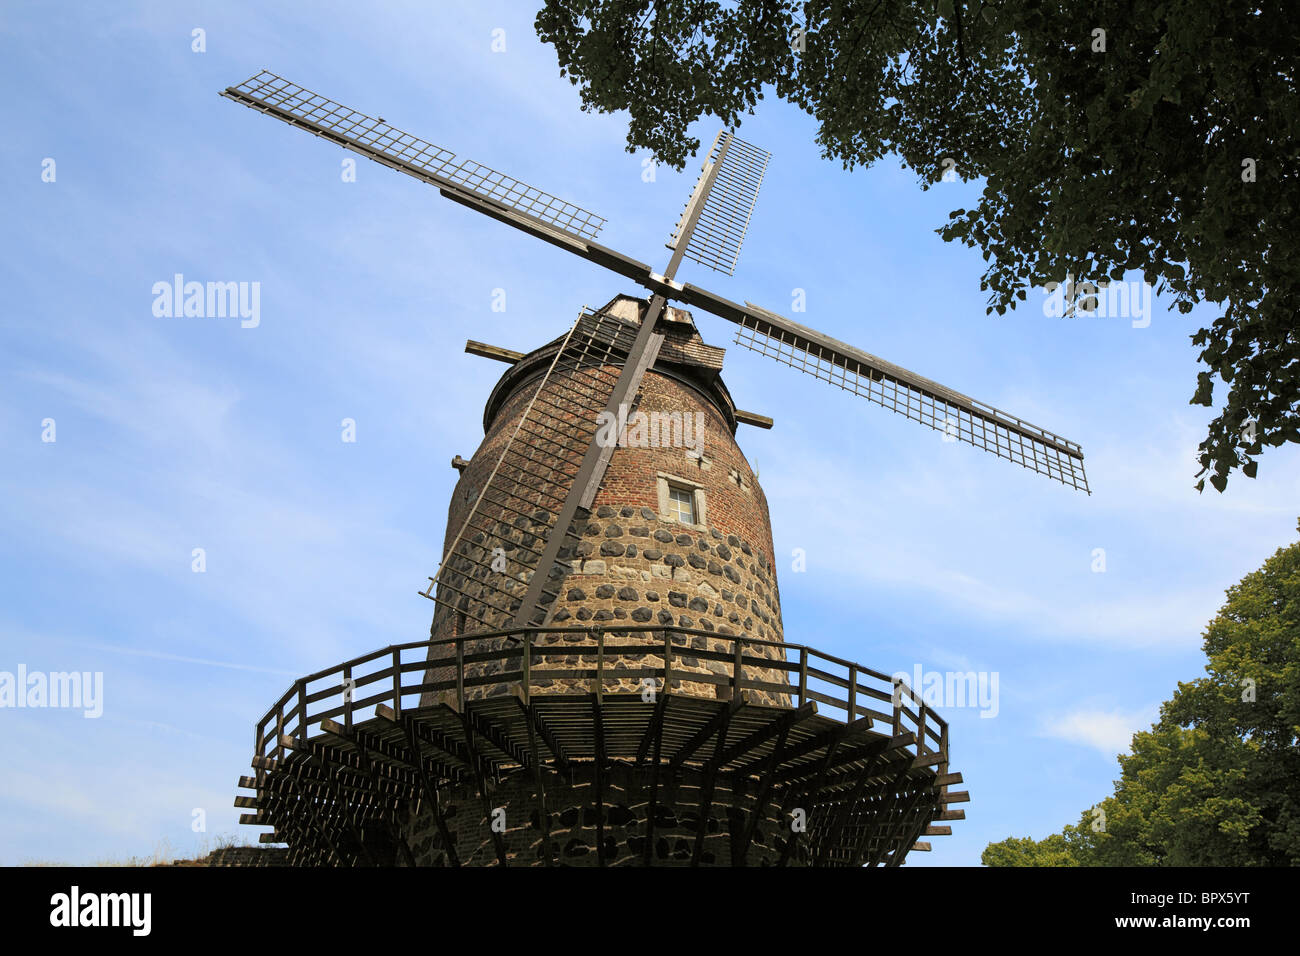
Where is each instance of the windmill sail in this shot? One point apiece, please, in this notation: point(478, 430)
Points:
point(373, 138)
point(958, 416)
point(503, 540)
point(728, 206)
point(710, 232)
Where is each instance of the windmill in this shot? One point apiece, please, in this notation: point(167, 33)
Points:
point(519, 533)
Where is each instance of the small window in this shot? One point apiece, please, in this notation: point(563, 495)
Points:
point(682, 500)
point(681, 505)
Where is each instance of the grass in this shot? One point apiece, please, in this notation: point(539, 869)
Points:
point(163, 854)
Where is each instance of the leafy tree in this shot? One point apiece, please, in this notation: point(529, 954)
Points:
point(1111, 136)
point(1026, 851)
point(1217, 780)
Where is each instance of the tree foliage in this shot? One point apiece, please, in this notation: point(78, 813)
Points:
point(1026, 851)
point(1111, 137)
point(1217, 780)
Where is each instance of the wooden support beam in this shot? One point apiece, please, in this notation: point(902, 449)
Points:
point(835, 734)
point(902, 828)
point(295, 828)
point(586, 482)
point(928, 760)
point(831, 838)
point(710, 780)
point(404, 845)
point(364, 741)
point(540, 727)
point(323, 835)
point(653, 730)
point(430, 791)
point(792, 795)
point(467, 727)
point(345, 811)
point(910, 837)
point(483, 350)
point(395, 779)
point(881, 745)
point(753, 418)
point(704, 734)
point(459, 759)
point(653, 739)
point(880, 789)
point(776, 727)
point(493, 735)
point(539, 784)
point(765, 792)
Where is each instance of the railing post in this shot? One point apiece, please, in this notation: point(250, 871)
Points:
point(803, 676)
point(897, 727)
point(348, 696)
point(302, 709)
point(735, 669)
point(397, 683)
point(853, 693)
point(599, 690)
point(943, 751)
point(279, 733)
point(920, 730)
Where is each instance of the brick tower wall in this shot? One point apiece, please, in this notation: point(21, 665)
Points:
point(632, 562)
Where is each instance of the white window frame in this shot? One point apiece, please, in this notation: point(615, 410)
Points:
point(699, 500)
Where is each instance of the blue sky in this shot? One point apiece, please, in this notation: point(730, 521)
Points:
point(183, 433)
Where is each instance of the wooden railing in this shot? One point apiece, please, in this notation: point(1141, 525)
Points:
point(349, 693)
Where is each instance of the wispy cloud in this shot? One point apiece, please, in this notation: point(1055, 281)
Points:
point(181, 659)
point(1109, 732)
point(911, 529)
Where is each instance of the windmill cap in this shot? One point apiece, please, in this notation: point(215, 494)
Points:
point(683, 356)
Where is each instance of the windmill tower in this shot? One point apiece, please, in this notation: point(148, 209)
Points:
point(607, 680)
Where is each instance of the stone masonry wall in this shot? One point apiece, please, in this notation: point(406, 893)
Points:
point(632, 563)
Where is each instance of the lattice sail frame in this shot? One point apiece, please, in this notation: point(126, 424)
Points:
point(716, 236)
point(724, 220)
point(517, 508)
point(958, 416)
point(375, 139)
